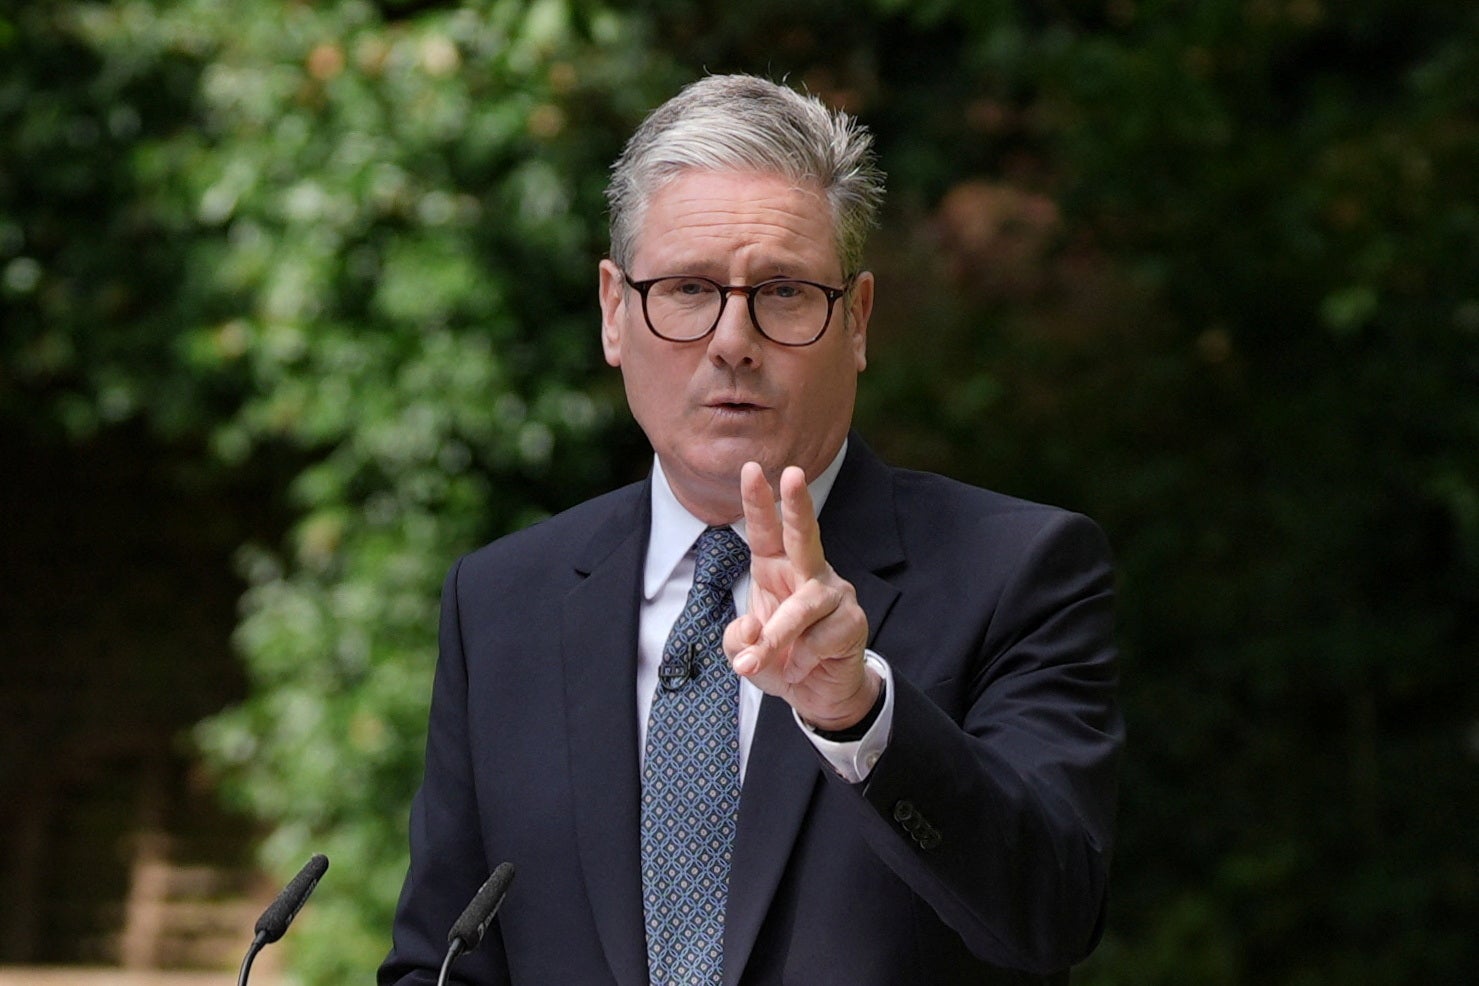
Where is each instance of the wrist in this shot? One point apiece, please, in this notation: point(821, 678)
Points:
point(854, 725)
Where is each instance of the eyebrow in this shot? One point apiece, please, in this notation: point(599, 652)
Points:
point(719, 271)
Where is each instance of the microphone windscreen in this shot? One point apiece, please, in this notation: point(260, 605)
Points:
point(474, 922)
point(273, 923)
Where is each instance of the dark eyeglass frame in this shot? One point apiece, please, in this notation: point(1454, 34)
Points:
point(748, 290)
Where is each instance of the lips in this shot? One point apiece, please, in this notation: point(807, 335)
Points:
point(734, 402)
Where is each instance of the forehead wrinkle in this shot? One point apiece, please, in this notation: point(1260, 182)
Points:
point(772, 231)
point(722, 250)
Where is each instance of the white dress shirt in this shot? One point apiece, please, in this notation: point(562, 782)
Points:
point(665, 584)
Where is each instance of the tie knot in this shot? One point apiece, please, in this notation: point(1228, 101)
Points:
point(723, 557)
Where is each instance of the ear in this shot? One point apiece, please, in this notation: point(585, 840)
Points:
point(612, 292)
point(859, 303)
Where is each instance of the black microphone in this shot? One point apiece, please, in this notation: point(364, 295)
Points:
point(273, 923)
point(677, 670)
point(467, 933)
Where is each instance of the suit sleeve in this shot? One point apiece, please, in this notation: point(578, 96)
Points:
point(995, 798)
point(448, 862)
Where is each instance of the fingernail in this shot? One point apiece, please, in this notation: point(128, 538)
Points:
point(744, 662)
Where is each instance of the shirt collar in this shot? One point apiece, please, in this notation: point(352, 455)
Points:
point(674, 529)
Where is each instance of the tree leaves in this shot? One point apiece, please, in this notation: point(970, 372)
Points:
point(1205, 271)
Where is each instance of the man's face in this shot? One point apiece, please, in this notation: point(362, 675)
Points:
point(711, 405)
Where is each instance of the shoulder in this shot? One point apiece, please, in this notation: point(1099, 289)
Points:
point(954, 502)
point(939, 514)
point(950, 502)
point(917, 490)
point(883, 515)
point(872, 489)
point(569, 539)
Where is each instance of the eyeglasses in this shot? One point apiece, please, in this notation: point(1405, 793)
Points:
point(787, 311)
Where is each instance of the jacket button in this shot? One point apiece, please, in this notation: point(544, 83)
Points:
point(905, 813)
point(929, 840)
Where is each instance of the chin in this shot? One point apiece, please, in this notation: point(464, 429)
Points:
point(715, 465)
point(723, 467)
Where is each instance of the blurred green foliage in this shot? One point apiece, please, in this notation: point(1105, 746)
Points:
point(1206, 271)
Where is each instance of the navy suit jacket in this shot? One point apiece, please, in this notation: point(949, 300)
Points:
point(977, 850)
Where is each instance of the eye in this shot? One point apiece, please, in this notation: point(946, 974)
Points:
point(787, 291)
point(688, 287)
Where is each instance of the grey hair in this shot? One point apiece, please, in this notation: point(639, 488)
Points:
point(745, 123)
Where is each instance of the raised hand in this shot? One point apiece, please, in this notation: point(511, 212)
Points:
point(803, 637)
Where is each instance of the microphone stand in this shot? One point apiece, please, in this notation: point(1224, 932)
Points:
point(246, 961)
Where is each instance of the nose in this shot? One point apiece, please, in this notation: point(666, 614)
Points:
point(736, 341)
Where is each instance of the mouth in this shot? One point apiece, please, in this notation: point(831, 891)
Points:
point(734, 405)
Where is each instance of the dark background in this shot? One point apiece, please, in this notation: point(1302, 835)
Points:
point(297, 304)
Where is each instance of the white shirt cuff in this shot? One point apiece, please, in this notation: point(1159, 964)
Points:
point(855, 759)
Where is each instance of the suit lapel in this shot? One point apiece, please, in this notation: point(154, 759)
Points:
point(783, 770)
point(860, 538)
point(600, 661)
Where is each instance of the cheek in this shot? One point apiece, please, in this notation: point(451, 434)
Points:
point(655, 386)
point(829, 392)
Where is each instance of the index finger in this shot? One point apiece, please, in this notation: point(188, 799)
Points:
point(799, 529)
point(762, 524)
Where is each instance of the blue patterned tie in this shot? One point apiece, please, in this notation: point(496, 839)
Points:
point(690, 776)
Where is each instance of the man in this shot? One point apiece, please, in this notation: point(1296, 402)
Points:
point(885, 754)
